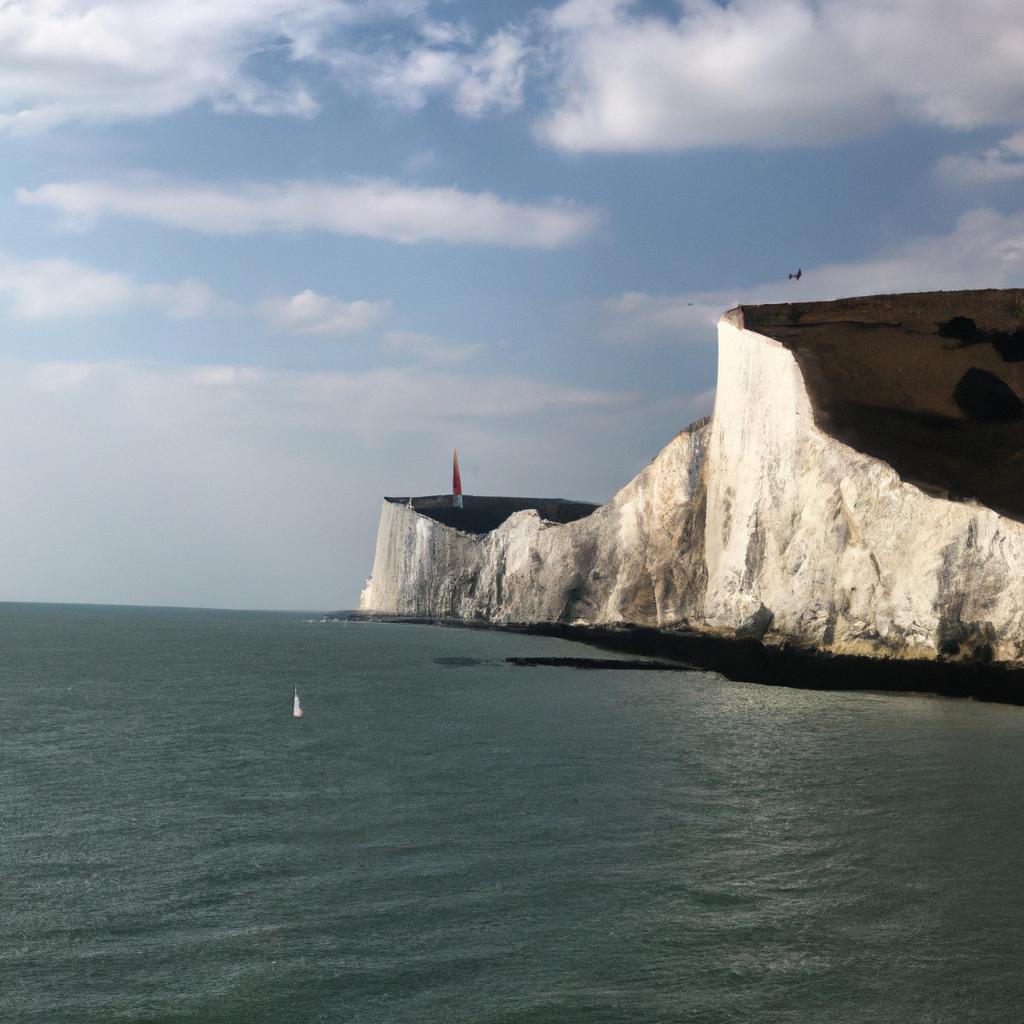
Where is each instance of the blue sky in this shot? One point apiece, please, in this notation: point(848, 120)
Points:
point(265, 261)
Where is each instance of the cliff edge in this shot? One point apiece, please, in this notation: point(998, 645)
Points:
point(859, 490)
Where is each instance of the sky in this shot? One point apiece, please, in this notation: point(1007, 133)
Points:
point(264, 262)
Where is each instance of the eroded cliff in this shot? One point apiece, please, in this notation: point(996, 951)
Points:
point(638, 558)
point(857, 491)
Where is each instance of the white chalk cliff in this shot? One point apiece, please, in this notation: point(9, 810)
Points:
point(843, 496)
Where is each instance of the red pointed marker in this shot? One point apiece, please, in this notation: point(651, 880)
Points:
point(456, 482)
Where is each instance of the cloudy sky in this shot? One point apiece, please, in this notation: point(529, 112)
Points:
point(264, 261)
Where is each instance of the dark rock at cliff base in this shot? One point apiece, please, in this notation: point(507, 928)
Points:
point(801, 667)
point(615, 664)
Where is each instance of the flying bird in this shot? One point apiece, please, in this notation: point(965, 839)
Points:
point(797, 275)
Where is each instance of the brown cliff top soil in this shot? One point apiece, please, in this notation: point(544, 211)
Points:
point(930, 382)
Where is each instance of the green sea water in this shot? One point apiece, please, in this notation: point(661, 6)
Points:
point(448, 838)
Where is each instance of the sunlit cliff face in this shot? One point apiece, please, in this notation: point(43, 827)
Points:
point(930, 383)
point(799, 514)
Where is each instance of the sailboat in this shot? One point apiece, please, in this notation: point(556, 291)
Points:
point(297, 711)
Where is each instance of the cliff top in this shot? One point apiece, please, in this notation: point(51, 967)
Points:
point(931, 382)
point(483, 513)
point(920, 312)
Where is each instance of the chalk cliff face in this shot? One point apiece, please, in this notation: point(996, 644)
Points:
point(843, 496)
point(638, 559)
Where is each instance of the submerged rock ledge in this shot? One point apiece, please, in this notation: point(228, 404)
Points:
point(854, 505)
point(748, 659)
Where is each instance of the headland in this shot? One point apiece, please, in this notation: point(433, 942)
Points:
point(854, 505)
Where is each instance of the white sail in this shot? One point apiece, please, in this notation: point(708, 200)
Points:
point(296, 707)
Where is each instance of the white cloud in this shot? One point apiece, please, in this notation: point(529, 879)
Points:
point(422, 160)
point(44, 289)
point(429, 347)
point(57, 377)
point(186, 300)
point(777, 72)
point(639, 317)
point(54, 288)
point(63, 60)
point(408, 397)
point(446, 33)
point(311, 313)
point(375, 208)
point(984, 250)
point(82, 60)
point(1002, 162)
point(616, 78)
point(59, 288)
point(405, 80)
point(490, 76)
point(494, 76)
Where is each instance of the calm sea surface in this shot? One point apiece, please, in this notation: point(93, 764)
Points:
point(475, 842)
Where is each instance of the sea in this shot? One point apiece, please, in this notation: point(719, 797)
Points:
point(449, 837)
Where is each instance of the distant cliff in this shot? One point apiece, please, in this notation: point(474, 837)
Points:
point(859, 490)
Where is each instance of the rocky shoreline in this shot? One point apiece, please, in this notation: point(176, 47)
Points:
point(750, 660)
